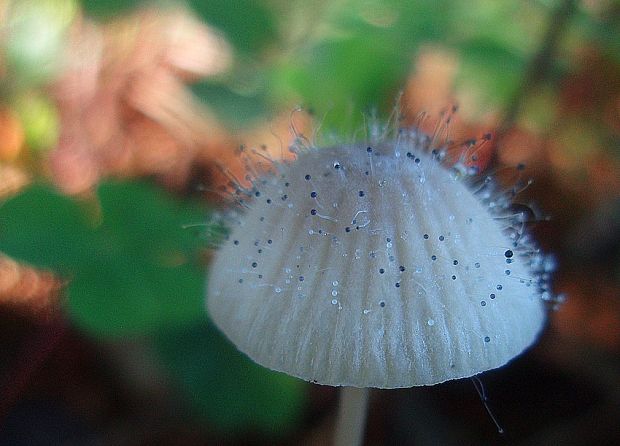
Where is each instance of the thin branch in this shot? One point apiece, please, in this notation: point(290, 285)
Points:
point(540, 65)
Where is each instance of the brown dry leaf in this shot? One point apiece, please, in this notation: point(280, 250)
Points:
point(27, 289)
point(124, 107)
point(12, 180)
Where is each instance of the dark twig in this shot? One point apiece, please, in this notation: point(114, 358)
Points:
point(540, 65)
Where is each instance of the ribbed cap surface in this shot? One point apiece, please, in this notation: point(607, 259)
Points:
point(373, 268)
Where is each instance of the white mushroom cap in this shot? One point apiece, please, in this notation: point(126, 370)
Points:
point(374, 268)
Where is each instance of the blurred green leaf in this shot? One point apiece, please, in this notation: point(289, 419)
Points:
point(492, 67)
point(343, 75)
point(604, 31)
point(106, 9)
point(130, 264)
point(247, 24)
point(226, 387)
point(353, 56)
point(236, 109)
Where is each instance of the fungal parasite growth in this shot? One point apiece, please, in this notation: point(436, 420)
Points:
point(378, 265)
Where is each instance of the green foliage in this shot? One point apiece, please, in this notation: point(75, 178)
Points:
point(225, 386)
point(602, 31)
point(340, 76)
point(235, 109)
point(492, 68)
point(132, 270)
point(106, 9)
point(131, 266)
point(247, 24)
point(341, 59)
point(351, 55)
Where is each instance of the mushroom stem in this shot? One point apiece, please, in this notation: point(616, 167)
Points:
point(351, 416)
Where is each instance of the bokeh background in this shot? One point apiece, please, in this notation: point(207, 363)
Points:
point(117, 119)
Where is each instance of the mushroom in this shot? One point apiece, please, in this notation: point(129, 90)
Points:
point(377, 266)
